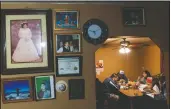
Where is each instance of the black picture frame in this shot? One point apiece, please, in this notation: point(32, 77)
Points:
point(76, 89)
point(52, 88)
point(46, 38)
point(133, 16)
point(71, 59)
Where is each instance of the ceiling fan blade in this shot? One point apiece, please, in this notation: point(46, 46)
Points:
point(110, 46)
point(138, 45)
point(116, 48)
point(111, 40)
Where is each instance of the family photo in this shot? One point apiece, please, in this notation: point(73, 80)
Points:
point(26, 41)
point(66, 19)
point(44, 87)
point(68, 43)
point(16, 90)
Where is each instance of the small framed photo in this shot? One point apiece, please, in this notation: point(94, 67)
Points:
point(68, 43)
point(76, 89)
point(134, 16)
point(69, 65)
point(44, 87)
point(66, 19)
point(17, 90)
point(26, 42)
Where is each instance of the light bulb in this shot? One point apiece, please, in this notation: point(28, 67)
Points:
point(124, 50)
point(127, 50)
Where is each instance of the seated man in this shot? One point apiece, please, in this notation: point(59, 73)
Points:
point(99, 94)
point(111, 83)
point(110, 89)
point(121, 75)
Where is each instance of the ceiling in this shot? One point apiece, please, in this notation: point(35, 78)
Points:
point(133, 41)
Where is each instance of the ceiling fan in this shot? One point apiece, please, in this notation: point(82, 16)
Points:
point(123, 43)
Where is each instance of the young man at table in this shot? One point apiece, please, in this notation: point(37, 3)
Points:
point(111, 83)
point(110, 89)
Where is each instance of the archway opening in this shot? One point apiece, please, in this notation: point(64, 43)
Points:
point(144, 54)
point(133, 56)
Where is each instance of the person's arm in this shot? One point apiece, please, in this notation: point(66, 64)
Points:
point(40, 94)
point(142, 81)
point(106, 91)
point(19, 33)
point(115, 85)
point(156, 89)
point(48, 93)
point(60, 50)
point(126, 79)
point(71, 49)
point(29, 34)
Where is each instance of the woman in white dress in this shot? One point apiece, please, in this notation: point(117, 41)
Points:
point(25, 50)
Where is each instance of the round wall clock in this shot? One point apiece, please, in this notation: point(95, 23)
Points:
point(95, 31)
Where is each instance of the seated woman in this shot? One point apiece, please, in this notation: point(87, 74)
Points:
point(159, 98)
point(154, 87)
point(140, 102)
point(142, 79)
point(150, 97)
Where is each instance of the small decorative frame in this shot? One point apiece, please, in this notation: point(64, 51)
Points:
point(66, 19)
point(68, 43)
point(61, 86)
point(17, 90)
point(134, 16)
point(69, 65)
point(26, 42)
point(76, 89)
point(44, 87)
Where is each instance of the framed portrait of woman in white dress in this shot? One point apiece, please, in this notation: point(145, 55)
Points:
point(27, 41)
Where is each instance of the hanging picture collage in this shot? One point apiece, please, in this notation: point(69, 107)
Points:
point(29, 40)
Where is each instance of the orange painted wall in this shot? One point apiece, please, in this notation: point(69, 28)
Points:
point(114, 61)
point(151, 59)
point(132, 63)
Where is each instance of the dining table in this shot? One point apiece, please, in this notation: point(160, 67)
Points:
point(131, 93)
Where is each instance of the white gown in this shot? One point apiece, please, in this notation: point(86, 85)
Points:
point(25, 50)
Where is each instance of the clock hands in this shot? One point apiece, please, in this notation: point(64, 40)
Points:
point(97, 30)
point(93, 32)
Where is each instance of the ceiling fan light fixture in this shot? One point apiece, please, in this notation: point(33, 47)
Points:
point(127, 50)
point(125, 43)
point(124, 50)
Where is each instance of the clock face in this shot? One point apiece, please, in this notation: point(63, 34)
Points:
point(94, 31)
